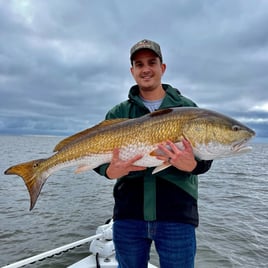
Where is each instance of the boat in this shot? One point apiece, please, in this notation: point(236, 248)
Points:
point(101, 251)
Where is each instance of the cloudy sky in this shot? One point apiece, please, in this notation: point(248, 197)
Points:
point(64, 63)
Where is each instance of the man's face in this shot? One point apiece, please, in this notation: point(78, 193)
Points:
point(147, 69)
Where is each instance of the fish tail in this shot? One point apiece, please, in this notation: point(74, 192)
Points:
point(33, 178)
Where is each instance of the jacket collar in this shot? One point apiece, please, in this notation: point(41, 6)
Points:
point(171, 99)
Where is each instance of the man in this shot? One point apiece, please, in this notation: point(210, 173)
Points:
point(160, 207)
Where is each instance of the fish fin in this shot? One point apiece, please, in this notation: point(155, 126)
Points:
point(160, 168)
point(161, 112)
point(109, 122)
point(156, 152)
point(84, 133)
point(33, 179)
point(82, 168)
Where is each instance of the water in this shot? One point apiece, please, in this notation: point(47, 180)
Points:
point(233, 207)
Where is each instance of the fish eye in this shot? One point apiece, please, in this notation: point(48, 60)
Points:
point(235, 128)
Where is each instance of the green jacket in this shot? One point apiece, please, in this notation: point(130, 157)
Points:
point(168, 195)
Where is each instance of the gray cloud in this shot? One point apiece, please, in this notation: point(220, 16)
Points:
point(63, 65)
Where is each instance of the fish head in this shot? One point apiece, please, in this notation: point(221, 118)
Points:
point(214, 135)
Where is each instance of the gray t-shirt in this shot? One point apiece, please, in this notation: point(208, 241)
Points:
point(152, 105)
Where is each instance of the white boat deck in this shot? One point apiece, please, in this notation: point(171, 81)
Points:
point(91, 260)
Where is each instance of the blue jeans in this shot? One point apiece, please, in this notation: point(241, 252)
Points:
point(175, 243)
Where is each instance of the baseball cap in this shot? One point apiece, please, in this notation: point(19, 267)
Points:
point(146, 44)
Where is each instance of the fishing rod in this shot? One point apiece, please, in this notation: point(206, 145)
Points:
point(52, 252)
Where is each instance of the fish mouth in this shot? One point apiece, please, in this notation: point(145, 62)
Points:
point(241, 147)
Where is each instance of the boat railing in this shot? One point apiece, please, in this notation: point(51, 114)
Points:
point(103, 231)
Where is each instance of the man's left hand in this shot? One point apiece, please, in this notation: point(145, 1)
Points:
point(182, 159)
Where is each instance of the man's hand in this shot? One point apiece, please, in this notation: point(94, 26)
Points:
point(119, 168)
point(182, 159)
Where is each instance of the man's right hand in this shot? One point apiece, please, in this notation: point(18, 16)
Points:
point(119, 168)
